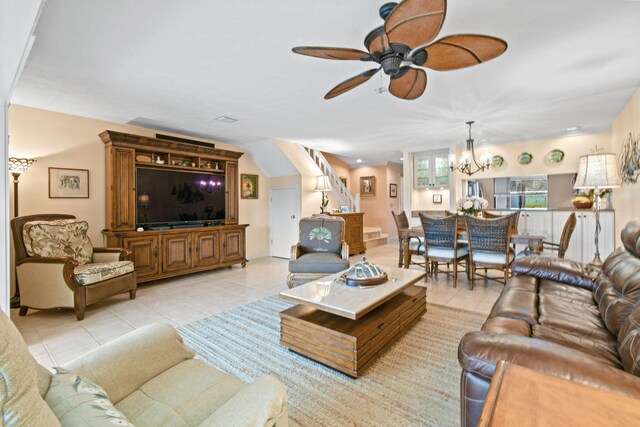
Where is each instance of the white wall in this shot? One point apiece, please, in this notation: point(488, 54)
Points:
point(63, 140)
point(626, 197)
point(17, 20)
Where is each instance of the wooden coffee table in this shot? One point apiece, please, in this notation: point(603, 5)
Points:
point(345, 327)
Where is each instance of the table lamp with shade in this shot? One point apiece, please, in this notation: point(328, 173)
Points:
point(597, 172)
point(323, 185)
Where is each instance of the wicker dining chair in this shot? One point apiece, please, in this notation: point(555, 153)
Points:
point(563, 245)
point(515, 218)
point(489, 246)
point(441, 245)
point(416, 246)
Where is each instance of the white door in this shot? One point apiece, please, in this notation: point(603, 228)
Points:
point(284, 220)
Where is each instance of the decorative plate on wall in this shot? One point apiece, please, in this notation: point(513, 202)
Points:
point(555, 156)
point(497, 161)
point(525, 158)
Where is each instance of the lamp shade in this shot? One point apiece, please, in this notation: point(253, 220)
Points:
point(143, 199)
point(17, 165)
point(323, 183)
point(598, 171)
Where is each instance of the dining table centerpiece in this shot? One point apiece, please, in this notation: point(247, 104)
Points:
point(472, 205)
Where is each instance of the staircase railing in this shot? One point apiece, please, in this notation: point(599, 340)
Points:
point(338, 189)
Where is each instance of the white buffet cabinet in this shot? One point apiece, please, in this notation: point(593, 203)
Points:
point(582, 245)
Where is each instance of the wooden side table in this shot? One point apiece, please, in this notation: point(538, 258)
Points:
point(525, 398)
point(353, 230)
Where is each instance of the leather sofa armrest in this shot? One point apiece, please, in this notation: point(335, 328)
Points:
point(110, 254)
point(345, 250)
point(557, 269)
point(121, 366)
point(479, 352)
point(262, 403)
point(295, 251)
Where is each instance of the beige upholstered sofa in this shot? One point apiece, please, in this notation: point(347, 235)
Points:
point(145, 378)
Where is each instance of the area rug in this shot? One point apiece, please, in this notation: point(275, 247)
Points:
point(414, 382)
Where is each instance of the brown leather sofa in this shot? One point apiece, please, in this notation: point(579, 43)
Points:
point(565, 319)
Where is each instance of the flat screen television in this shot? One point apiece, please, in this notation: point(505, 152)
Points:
point(174, 198)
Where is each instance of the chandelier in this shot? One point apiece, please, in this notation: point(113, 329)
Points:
point(468, 159)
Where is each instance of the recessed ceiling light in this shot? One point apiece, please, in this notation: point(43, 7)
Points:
point(573, 128)
point(226, 119)
point(359, 161)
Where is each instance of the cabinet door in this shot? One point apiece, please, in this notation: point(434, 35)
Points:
point(121, 208)
point(422, 171)
point(144, 254)
point(539, 224)
point(522, 223)
point(232, 245)
point(441, 170)
point(606, 237)
point(176, 252)
point(207, 248)
point(574, 251)
point(231, 205)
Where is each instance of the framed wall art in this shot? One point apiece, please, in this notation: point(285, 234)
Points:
point(437, 199)
point(65, 183)
point(393, 190)
point(367, 185)
point(248, 186)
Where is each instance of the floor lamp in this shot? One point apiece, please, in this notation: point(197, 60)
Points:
point(597, 172)
point(323, 186)
point(16, 167)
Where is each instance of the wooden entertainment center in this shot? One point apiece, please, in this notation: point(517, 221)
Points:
point(165, 253)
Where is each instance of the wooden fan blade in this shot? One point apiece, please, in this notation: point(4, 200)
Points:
point(351, 83)
point(463, 50)
point(415, 23)
point(332, 53)
point(410, 85)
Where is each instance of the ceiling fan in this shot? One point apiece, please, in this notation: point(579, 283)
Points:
point(404, 41)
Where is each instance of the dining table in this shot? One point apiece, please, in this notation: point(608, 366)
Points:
point(533, 242)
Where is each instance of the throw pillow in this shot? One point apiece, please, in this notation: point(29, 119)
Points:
point(59, 238)
point(76, 401)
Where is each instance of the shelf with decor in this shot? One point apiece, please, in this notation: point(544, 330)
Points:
point(144, 176)
point(431, 169)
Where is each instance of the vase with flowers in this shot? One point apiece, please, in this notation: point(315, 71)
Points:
point(472, 205)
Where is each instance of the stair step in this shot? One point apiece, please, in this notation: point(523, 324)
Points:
point(376, 241)
point(371, 232)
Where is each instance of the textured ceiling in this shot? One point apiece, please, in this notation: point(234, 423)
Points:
point(179, 65)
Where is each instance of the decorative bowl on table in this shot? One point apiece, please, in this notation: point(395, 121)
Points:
point(363, 274)
point(582, 202)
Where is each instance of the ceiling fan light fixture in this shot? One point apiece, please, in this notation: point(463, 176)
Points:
point(407, 37)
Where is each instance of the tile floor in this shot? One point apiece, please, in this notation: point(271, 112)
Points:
point(55, 336)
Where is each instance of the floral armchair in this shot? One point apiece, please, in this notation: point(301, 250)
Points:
point(321, 250)
point(56, 265)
